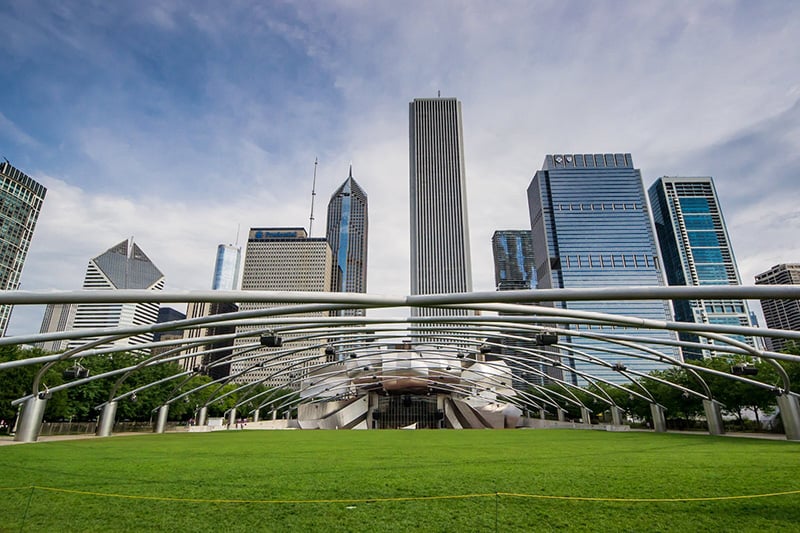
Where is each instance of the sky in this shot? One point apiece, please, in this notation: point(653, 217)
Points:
point(184, 123)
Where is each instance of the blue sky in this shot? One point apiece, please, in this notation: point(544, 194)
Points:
point(176, 121)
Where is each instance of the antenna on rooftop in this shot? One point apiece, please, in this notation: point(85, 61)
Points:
point(313, 194)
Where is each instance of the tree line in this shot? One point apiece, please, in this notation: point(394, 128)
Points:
point(78, 403)
point(685, 410)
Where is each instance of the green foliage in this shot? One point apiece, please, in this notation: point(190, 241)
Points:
point(376, 465)
point(78, 403)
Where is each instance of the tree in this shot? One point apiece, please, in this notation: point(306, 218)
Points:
point(735, 395)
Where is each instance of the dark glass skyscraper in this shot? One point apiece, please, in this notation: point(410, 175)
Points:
point(514, 267)
point(347, 236)
point(697, 251)
point(440, 256)
point(20, 203)
point(591, 227)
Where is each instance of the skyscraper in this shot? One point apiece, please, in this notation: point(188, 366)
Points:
point(20, 203)
point(282, 259)
point(347, 236)
point(226, 278)
point(440, 255)
point(57, 317)
point(780, 314)
point(514, 266)
point(515, 269)
point(696, 250)
point(124, 266)
point(226, 268)
point(591, 228)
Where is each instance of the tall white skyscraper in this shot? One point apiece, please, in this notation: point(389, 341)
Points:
point(124, 266)
point(226, 268)
point(282, 259)
point(440, 254)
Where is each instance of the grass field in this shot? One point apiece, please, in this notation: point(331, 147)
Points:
point(280, 478)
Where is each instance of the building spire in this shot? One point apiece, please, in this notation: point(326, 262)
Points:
point(351, 171)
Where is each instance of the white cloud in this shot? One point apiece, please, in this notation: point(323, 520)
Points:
point(178, 162)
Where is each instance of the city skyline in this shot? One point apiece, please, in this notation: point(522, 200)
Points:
point(237, 110)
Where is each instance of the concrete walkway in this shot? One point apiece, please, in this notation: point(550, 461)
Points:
point(8, 440)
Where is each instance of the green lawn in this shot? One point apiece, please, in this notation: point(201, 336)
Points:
point(372, 467)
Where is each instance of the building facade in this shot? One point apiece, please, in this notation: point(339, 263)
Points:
point(21, 200)
point(591, 227)
point(696, 251)
point(281, 259)
point(780, 314)
point(124, 266)
point(346, 232)
point(57, 317)
point(515, 269)
point(440, 252)
point(213, 356)
point(226, 268)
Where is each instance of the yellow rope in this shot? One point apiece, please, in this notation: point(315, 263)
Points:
point(411, 498)
point(16, 488)
point(633, 500)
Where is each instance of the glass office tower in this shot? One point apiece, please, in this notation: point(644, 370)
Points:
point(226, 268)
point(514, 269)
point(697, 251)
point(347, 235)
point(591, 228)
point(20, 203)
point(513, 260)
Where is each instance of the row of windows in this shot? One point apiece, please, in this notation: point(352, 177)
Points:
point(596, 206)
point(725, 308)
point(607, 261)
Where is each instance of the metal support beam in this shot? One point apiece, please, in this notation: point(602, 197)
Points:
point(107, 417)
point(659, 421)
point(542, 413)
point(586, 415)
point(256, 414)
point(30, 419)
point(202, 416)
point(161, 423)
point(232, 418)
point(617, 415)
point(790, 416)
point(562, 415)
point(714, 417)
